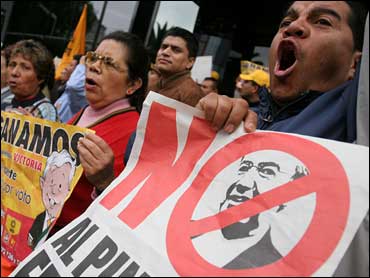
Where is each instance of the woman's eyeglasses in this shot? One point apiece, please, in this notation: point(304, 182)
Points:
point(92, 57)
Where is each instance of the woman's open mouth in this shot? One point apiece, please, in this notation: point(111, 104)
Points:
point(287, 59)
point(12, 84)
point(90, 84)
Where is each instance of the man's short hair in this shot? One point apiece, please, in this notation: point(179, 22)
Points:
point(356, 22)
point(188, 37)
point(214, 80)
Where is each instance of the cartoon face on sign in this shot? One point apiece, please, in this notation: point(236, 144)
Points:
point(55, 186)
point(55, 183)
point(253, 240)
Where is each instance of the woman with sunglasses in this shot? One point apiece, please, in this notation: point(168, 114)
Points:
point(116, 80)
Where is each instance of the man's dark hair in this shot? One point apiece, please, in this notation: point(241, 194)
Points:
point(214, 80)
point(137, 62)
point(356, 22)
point(188, 37)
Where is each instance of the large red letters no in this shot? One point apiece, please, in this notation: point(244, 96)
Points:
point(167, 174)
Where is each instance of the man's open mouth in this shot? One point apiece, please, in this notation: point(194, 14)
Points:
point(52, 202)
point(245, 220)
point(238, 198)
point(287, 58)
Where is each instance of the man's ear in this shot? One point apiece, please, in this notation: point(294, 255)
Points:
point(190, 63)
point(41, 81)
point(356, 57)
point(255, 88)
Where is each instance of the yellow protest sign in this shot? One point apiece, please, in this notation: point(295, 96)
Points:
point(246, 67)
point(39, 170)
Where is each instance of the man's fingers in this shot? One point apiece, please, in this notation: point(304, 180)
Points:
point(250, 123)
point(239, 109)
point(209, 105)
point(222, 113)
point(227, 113)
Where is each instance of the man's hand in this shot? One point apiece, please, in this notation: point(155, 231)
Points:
point(227, 113)
point(97, 160)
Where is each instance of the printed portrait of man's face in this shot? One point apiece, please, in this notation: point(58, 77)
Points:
point(55, 188)
point(262, 238)
point(256, 176)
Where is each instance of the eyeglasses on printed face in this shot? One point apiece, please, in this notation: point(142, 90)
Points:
point(93, 57)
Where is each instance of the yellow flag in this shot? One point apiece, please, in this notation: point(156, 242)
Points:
point(76, 45)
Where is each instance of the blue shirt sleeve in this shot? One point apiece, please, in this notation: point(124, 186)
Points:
point(73, 98)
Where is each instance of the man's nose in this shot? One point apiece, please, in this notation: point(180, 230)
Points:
point(297, 28)
point(247, 181)
point(166, 51)
point(53, 189)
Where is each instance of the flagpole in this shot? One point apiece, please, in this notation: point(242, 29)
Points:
point(100, 23)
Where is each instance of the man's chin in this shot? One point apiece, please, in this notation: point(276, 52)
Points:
point(284, 94)
point(164, 70)
point(161, 67)
point(54, 212)
point(240, 230)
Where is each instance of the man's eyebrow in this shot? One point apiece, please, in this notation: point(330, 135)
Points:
point(245, 162)
point(172, 46)
point(293, 13)
point(319, 11)
point(268, 164)
point(175, 47)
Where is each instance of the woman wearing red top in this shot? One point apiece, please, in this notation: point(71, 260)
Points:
point(116, 78)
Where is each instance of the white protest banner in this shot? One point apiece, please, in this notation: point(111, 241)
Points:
point(193, 202)
point(202, 68)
